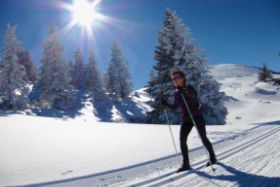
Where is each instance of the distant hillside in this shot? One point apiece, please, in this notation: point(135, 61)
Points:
point(244, 93)
point(222, 71)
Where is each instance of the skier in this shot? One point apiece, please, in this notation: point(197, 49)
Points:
point(191, 97)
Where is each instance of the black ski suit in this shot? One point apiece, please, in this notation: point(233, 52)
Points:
point(196, 109)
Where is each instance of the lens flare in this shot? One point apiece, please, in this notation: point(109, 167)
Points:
point(87, 16)
point(84, 13)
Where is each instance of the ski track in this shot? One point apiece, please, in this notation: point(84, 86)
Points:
point(205, 177)
point(236, 173)
point(230, 172)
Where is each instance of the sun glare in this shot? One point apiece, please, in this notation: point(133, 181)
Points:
point(84, 13)
point(87, 15)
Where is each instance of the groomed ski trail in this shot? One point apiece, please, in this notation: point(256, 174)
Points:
point(239, 164)
point(242, 165)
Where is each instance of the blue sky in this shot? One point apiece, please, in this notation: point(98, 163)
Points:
point(229, 31)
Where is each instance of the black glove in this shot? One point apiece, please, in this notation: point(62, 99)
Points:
point(181, 90)
point(163, 102)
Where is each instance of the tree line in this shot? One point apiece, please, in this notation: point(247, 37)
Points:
point(57, 80)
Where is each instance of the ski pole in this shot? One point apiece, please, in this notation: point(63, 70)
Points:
point(168, 122)
point(194, 123)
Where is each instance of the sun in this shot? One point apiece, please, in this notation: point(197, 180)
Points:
point(84, 13)
point(87, 15)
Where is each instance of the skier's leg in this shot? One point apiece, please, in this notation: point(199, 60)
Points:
point(185, 130)
point(200, 123)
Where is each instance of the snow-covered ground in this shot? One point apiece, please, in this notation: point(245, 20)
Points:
point(84, 152)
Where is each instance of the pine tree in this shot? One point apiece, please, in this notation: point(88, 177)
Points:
point(117, 79)
point(212, 99)
point(170, 50)
point(92, 79)
point(78, 70)
point(265, 75)
point(25, 58)
point(276, 81)
point(13, 78)
point(71, 70)
point(54, 79)
point(176, 51)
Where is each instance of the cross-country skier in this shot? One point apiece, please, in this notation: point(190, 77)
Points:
point(190, 94)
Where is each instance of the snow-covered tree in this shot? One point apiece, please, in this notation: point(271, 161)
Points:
point(78, 70)
point(117, 79)
point(176, 51)
point(13, 77)
point(265, 74)
point(92, 79)
point(25, 58)
point(211, 97)
point(54, 79)
point(71, 69)
point(170, 50)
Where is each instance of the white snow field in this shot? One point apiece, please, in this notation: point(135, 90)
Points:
point(44, 151)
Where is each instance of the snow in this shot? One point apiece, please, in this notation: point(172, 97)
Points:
point(82, 151)
point(225, 71)
point(247, 98)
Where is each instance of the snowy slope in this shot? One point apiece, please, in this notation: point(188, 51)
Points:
point(225, 71)
point(84, 152)
point(247, 99)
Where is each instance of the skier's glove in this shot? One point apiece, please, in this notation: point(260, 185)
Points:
point(163, 102)
point(181, 90)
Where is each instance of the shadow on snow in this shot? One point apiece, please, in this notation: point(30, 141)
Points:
point(78, 104)
point(127, 109)
point(241, 178)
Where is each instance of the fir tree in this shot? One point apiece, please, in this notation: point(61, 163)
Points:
point(265, 75)
point(92, 79)
point(13, 78)
point(212, 99)
point(25, 58)
point(78, 70)
point(71, 70)
point(117, 79)
point(176, 51)
point(54, 79)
